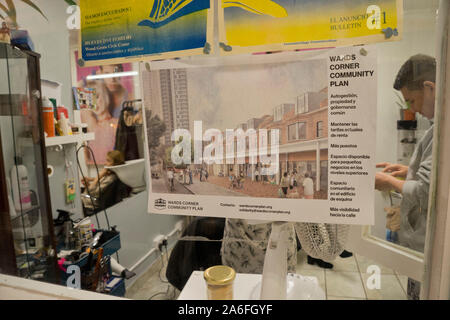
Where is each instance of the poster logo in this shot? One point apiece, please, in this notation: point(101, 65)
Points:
point(160, 204)
point(164, 11)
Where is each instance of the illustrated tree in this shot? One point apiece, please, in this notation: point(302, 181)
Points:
point(155, 130)
point(168, 159)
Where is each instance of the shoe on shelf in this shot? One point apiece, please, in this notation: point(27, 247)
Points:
point(320, 263)
point(345, 254)
point(127, 274)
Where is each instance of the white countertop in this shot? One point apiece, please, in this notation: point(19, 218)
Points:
point(248, 287)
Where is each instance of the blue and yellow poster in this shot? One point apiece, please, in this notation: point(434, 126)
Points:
point(116, 30)
point(266, 25)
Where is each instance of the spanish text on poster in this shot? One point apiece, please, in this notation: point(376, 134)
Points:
point(270, 139)
point(113, 31)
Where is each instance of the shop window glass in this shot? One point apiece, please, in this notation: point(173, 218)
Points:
point(301, 130)
point(292, 132)
point(301, 104)
point(319, 131)
point(416, 38)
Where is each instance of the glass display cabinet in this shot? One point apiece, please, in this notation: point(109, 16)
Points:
point(27, 242)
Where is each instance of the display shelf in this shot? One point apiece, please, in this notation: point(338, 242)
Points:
point(21, 128)
point(75, 138)
point(60, 140)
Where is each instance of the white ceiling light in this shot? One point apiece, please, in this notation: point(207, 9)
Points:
point(112, 75)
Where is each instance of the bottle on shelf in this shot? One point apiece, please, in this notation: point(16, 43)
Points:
point(20, 185)
point(48, 117)
point(63, 122)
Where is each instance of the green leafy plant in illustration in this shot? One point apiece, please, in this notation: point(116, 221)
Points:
point(8, 8)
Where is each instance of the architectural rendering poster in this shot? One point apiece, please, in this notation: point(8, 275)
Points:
point(117, 30)
point(280, 137)
point(266, 25)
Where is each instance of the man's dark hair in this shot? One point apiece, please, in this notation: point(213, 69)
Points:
point(415, 71)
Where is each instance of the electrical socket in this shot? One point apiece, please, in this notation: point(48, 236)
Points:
point(158, 241)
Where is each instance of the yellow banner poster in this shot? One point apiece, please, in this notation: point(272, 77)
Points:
point(117, 31)
point(265, 25)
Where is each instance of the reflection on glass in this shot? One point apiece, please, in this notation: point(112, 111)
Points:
point(27, 234)
point(416, 81)
point(105, 97)
point(123, 172)
point(103, 106)
point(406, 108)
point(404, 174)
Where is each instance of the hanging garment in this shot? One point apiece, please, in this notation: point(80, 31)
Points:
point(191, 255)
point(244, 246)
point(126, 138)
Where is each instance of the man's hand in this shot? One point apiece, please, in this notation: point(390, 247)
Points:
point(382, 182)
point(382, 164)
point(396, 170)
point(386, 182)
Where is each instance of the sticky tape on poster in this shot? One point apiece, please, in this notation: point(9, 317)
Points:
point(50, 171)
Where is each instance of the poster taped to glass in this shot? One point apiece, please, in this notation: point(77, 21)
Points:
point(279, 137)
point(264, 25)
point(116, 31)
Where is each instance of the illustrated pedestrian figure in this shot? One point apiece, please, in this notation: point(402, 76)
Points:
point(291, 186)
point(284, 184)
point(232, 179)
point(170, 178)
point(294, 179)
point(181, 177)
point(308, 187)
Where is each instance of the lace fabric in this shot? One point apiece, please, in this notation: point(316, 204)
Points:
point(321, 240)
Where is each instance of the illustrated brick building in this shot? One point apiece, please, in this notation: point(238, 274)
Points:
point(303, 139)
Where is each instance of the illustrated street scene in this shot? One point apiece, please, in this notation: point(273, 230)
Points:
point(279, 97)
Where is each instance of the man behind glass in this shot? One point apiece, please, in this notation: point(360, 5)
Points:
point(416, 81)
